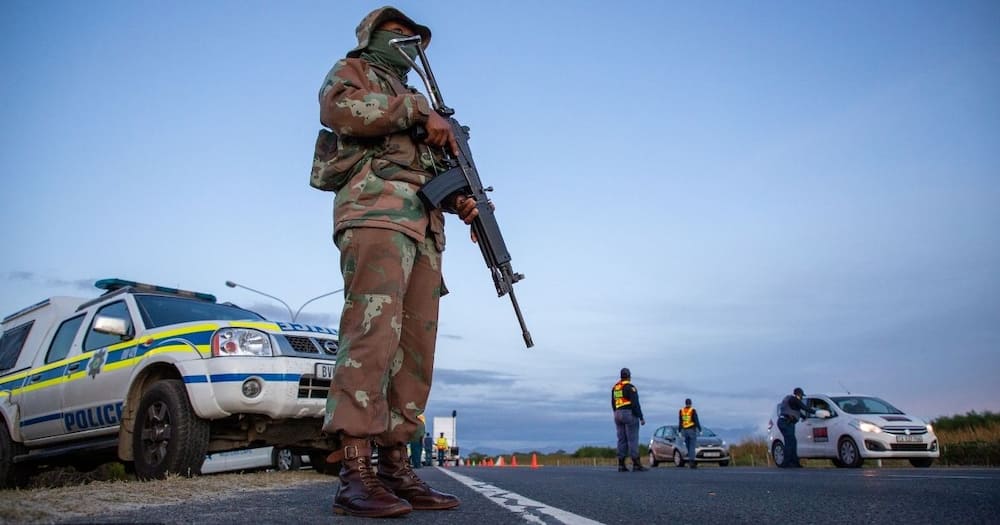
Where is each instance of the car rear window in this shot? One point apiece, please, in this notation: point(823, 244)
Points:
point(11, 343)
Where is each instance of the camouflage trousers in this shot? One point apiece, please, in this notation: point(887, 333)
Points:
point(388, 330)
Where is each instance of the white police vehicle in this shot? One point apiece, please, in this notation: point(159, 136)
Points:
point(850, 428)
point(157, 378)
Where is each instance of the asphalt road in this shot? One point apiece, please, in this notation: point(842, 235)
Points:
point(583, 495)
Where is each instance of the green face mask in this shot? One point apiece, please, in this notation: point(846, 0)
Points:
point(379, 48)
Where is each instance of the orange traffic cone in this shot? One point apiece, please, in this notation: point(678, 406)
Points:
point(513, 460)
point(500, 461)
point(534, 461)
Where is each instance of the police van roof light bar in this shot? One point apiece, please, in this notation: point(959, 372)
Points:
point(111, 285)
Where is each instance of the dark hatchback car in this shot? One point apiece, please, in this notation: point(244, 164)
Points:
point(667, 444)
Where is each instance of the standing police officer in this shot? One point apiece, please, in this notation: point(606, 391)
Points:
point(687, 421)
point(628, 417)
point(792, 408)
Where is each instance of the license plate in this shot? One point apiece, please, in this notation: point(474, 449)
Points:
point(908, 439)
point(324, 371)
point(712, 454)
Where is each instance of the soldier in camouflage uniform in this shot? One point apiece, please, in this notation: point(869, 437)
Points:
point(390, 257)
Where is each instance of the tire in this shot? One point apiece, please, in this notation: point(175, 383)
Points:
point(12, 475)
point(778, 453)
point(169, 438)
point(922, 462)
point(724, 463)
point(319, 464)
point(652, 459)
point(284, 459)
point(678, 460)
point(848, 453)
point(837, 463)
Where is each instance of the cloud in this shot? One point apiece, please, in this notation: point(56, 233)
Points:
point(57, 282)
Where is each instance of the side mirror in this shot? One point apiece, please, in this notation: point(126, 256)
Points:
point(823, 414)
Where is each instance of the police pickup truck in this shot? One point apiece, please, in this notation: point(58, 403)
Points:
point(155, 377)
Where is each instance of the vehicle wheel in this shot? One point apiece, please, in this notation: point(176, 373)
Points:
point(169, 438)
point(678, 460)
point(652, 460)
point(319, 464)
point(285, 459)
point(778, 453)
point(922, 462)
point(724, 463)
point(12, 475)
point(837, 463)
point(848, 454)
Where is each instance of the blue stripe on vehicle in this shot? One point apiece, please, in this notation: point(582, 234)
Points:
point(195, 379)
point(54, 373)
point(11, 385)
point(225, 378)
point(41, 419)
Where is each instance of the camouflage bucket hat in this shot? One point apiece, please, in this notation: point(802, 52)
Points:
point(376, 18)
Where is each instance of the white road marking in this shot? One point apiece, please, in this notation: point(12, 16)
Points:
point(930, 476)
point(526, 508)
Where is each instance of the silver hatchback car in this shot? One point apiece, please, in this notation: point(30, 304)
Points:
point(667, 444)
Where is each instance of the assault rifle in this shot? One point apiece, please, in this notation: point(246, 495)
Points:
point(462, 177)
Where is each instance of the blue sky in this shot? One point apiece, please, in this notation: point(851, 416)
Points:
point(730, 198)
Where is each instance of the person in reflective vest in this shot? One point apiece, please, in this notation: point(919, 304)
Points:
point(687, 421)
point(442, 448)
point(628, 417)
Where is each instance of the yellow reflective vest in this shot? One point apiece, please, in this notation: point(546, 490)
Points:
point(687, 417)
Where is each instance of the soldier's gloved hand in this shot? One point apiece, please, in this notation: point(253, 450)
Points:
point(440, 134)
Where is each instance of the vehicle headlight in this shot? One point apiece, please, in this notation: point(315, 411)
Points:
point(930, 428)
point(241, 342)
point(865, 426)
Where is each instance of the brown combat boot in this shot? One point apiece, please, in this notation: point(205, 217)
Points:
point(360, 492)
point(396, 473)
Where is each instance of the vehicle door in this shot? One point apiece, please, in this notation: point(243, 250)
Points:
point(97, 378)
point(656, 444)
point(815, 438)
point(670, 436)
point(40, 401)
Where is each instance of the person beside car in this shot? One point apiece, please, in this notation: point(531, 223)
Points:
point(628, 417)
point(442, 448)
point(687, 421)
point(428, 449)
point(792, 408)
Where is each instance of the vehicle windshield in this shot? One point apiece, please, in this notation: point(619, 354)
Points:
point(164, 310)
point(707, 433)
point(865, 405)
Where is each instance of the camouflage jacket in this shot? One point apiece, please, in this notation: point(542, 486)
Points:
point(372, 112)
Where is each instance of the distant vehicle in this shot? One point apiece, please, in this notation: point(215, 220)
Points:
point(667, 444)
point(272, 458)
point(850, 428)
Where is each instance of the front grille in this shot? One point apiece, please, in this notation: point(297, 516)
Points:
point(312, 388)
point(909, 447)
point(302, 344)
point(899, 431)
